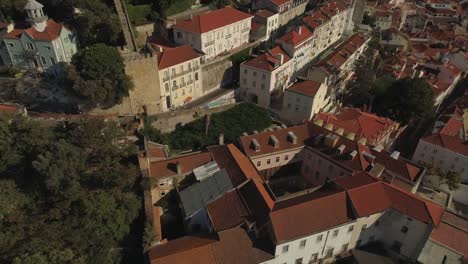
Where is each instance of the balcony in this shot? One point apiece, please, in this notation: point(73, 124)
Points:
point(245, 30)
point(209, 43)
point(175, 87)
point(228, 36)
point(189, 82)
point(165, 79)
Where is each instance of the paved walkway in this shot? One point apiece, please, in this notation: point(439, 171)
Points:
point(125, 25)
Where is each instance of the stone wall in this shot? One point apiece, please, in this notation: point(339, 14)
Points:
point(167, 122)
point(146, 95)
point(144, 32)
point(216, 74)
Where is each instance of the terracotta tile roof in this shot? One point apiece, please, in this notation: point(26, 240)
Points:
point(341, 54)
point(363, 124)
point(452, 236)
point(451, 143)
point(296, 37)
point(173, 56)
point(300, 220)
point(166, 168)
point(307, 88)
point(255, 201)
point(268, 60)
point(235, 246)
point(224, 157)
point(263, 139)
point(228, 211)
point(51, 32)
point(212, 20)
point(8, 108)
point(185, 250)
point(355, 181)
point(452, 127)
point(385, 196)
point(265, 13)
point(316, 19)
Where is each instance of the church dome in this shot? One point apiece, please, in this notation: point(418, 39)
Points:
point(33, 5)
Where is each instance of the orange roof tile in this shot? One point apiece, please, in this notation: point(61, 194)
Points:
point(212, 20)
point(228, 211)
point(166, 168)
point(173, 56)
point(296, 38)
point(268, 60)
point(307, 88)
point(51, 32)
point(185, 250)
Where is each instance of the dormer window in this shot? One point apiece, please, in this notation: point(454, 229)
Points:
point(30, 46)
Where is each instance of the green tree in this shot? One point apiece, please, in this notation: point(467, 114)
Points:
point(451, 179)
point(406, 100)
point(98, 74)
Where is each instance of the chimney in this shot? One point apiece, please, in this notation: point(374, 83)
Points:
point(274, 141)
point(318, 122)
point(191, 16)
point(245, 134)
point(299, 30)
point(341, 149)
point(255, 145)
point(329, 127)
point(255, 132)
point(292, 138)
point(395, 155)
point(352, 154)
point(362, 141)
point(350, 136)
point(221, 139)
point(331, 140)
point(369, 157)
point(179, 168)
point(283, 126)
point(339, 131)
point(280, 58)
point(378, 148)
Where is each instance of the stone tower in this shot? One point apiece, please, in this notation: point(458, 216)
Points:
point(36, 16)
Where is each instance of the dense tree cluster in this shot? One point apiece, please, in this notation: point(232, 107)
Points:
point(68, 194)
point(232, 123)
point(96, 21)
point(401, 100)
point(97, 73)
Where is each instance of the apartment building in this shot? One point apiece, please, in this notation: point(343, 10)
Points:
point(447, 150)
point(298, 44)
point(270, 22)
point(286, 9)
point(340, 62)
point(251, 225)
point(40, 43)
point(383, 19)
point(180, 76)
point(216, 32)
point(325, 152)
point(303, 100)
point(265, 77)
point(378, 131)
point(328, 23)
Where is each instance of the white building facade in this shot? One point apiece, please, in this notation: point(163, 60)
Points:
point(216, 32)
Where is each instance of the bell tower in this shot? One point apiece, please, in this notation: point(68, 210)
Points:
point(36, 16)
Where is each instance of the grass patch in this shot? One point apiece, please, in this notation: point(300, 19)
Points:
point(178, 6)
point(139, 14)
point(232, 123)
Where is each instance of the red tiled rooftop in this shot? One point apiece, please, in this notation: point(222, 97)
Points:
point(385, 196)
point(453, 233)
point(267, 60)
point(307, 88)
point(263, 139)
point(362, 124)
point(51, 32)
point(185, 250)
point(212, 20)
point(452, 127)
point(228, 211)
point(297, 36)
point(265, 13)
point(355, 181)
point(310, 217)
point(173, 56)
point(166, 168)
point(451, 143)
